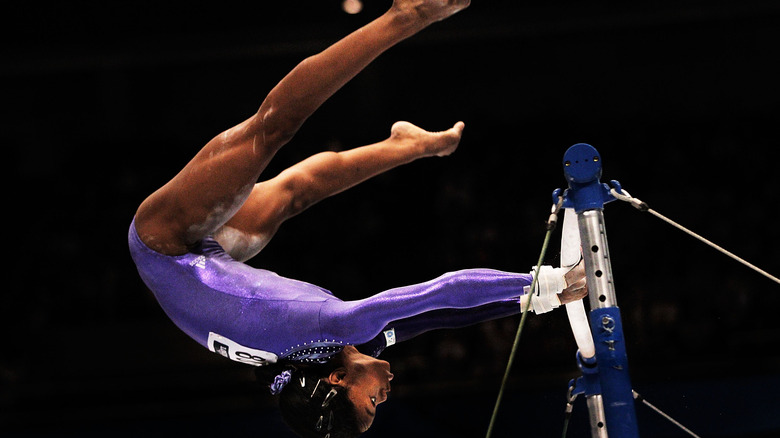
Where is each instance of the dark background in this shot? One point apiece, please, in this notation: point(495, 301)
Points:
point(104, 102)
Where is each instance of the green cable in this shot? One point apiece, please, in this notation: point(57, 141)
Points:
point(519, 332)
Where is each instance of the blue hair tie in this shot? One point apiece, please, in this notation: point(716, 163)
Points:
point(280, 382)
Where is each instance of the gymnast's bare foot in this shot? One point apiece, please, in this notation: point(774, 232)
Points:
point(429, 11)
point(429, 143)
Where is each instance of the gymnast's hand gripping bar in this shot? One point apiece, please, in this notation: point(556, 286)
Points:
point(570, 256)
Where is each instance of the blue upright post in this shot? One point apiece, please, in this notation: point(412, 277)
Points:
point(587, 196)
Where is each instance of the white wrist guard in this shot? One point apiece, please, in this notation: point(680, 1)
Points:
point(550, 282)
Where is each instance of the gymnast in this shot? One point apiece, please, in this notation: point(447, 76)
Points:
point(190, 239)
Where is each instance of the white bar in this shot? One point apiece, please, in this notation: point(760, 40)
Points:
point(570, 256)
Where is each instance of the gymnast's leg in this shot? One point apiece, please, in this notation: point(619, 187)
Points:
point(322, 175)
point(214, 185)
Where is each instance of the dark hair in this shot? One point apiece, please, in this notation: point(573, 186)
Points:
point(301, 400)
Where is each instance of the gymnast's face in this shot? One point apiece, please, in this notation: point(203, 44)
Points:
point(367, 380)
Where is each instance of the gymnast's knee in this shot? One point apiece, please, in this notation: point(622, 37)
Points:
point(275, 129)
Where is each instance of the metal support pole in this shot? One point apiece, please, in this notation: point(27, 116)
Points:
point(607, 384)
point(589, 385)
point(598, 422)
point(607, 328)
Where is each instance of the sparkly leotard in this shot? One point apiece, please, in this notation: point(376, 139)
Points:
point(256, 316)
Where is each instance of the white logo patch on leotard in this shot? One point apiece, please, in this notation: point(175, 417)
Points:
point(389, 337)
point(199, 262)
point(239, 353)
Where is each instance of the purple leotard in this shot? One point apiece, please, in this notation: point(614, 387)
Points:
point(256, 316)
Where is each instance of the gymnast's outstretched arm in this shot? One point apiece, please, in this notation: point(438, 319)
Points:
point(414, 326)
point(487, 293)
point(361, 320)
